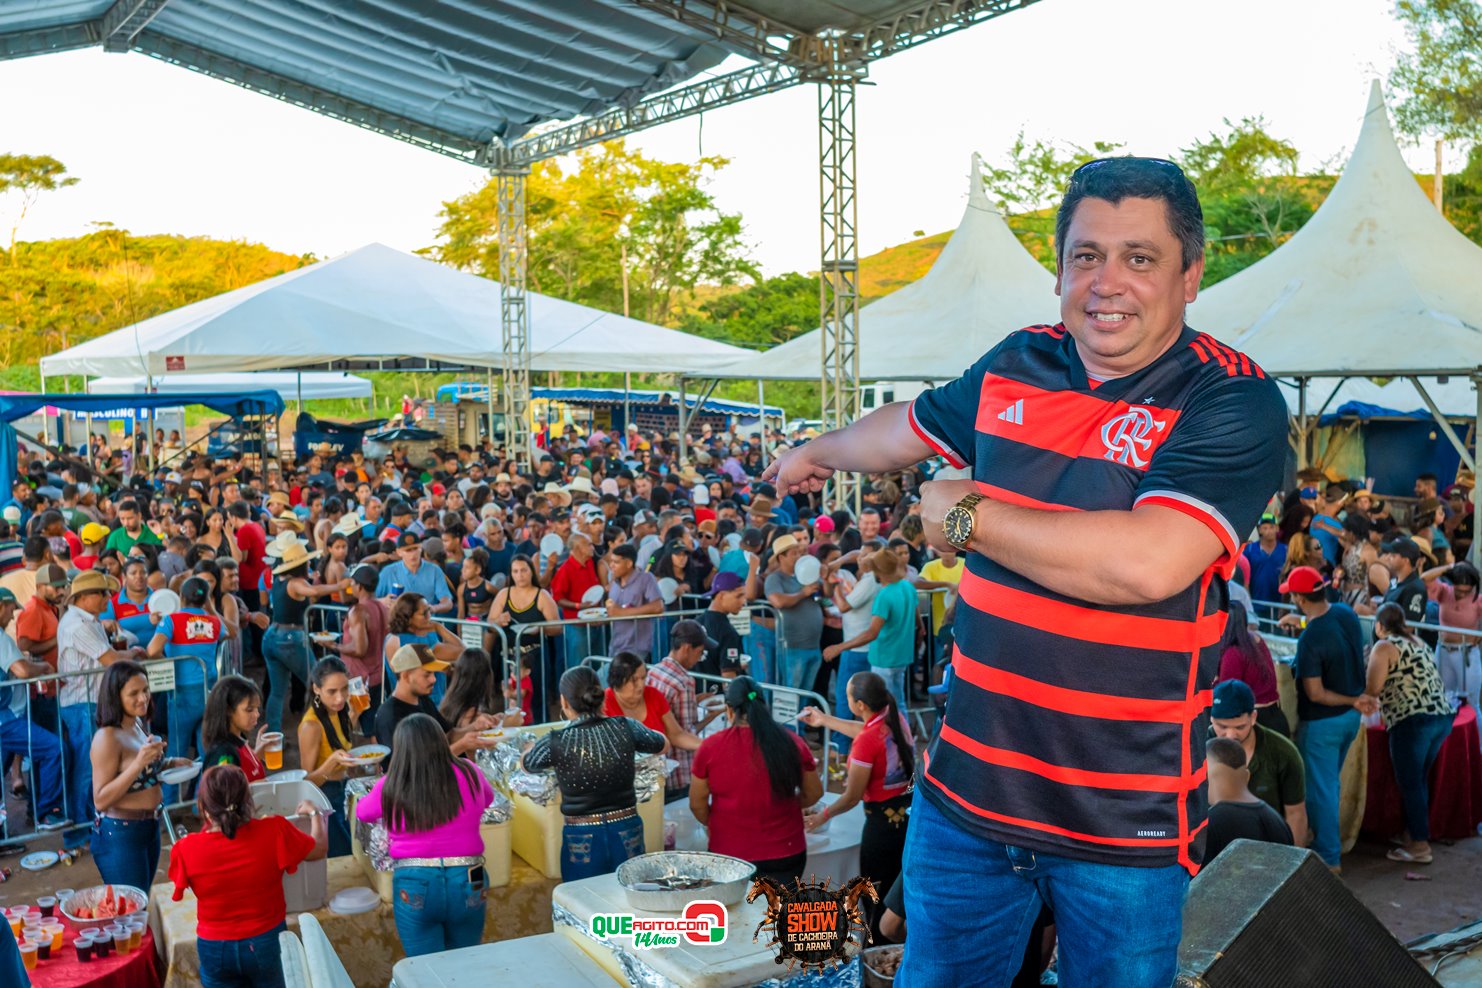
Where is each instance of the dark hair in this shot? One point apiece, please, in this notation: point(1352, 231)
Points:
point(1115, 179)
point(1464, 574)
point(402, 612)
point(478, 556)
point(778, 749)
point(225, 796)
point(869, 688)
point(1225, 751)
point(194, 591)
point(582, 691)
point(624, 666)
point(110, 711)
point(128, 505)
point(521, 557)
point(323, 669)
point(239, 510)
point(35, 548)
point(225, 697)
point(1357, 525)
point(421, 790)
point(1237, 635)
point(471, 686)
point(626, 551)
point(1390, 620)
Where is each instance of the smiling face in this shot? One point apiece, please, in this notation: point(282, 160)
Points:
point(1122, 285)
point(135, 697)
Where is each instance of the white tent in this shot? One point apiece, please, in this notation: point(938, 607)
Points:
point(1377, 283)
point(308, 385)
point(375, 304)
point(1456, 398)
point(983, 286)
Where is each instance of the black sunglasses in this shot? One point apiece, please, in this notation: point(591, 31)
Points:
point(1161, 163)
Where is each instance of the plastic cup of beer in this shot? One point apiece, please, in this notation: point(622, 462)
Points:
point(121, 941)
point(272, 755)
point(55, 931)
point(28, 955)
point(359, 695)
point(136, 934)
point(15, 925)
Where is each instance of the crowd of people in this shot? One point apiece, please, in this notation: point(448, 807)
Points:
point(464, 594)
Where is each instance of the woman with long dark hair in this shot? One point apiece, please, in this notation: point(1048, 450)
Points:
point(882, 762)
point(432, 803)
point(127, 761)
point(233, 709)
point(593, 759)
point(750, 783)
point(218, 537)
point(1404, 678)
point(285, 645)
point(472, 691)
point(1245, 657)
point(235, 867)
point(325, 735)
point(411, 623)
point(524, 602)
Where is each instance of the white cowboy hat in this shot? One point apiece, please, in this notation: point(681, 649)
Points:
point(350, 523)
point(282, 543)
point(581, 485)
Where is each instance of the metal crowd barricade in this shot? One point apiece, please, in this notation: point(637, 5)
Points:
point(1366, 620)
point(58, 735)
point(799, 695)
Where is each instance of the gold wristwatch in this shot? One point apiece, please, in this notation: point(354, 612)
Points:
point(958, 525)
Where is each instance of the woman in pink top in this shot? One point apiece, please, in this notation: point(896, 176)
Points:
point(1454, 588)
point(432, 804)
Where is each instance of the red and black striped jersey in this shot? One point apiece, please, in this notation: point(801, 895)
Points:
point(1074, 728)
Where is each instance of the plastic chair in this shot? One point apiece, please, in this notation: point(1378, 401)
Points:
point(295, 964)
point(325, 969)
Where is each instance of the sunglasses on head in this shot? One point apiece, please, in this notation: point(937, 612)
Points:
point(1160, 163)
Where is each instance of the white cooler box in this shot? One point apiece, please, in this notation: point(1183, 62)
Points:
point(537, 831)
point(307, 888)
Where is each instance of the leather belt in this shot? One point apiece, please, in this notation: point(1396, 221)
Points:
point(153, 814)
point(611, 816)
point(464, 862)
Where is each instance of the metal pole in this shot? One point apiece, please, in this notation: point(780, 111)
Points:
point(300, 398)
point(514, 316)
point(489, 399)
point(44, 434)
point(627, 390)
point(761, 416)
point(1301, 423)
point(683, 424)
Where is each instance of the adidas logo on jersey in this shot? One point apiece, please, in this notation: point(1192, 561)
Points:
point(1014, 414)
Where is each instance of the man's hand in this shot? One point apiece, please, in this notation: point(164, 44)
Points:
point(798, 471)
point(937, 498)
point(1291, 622)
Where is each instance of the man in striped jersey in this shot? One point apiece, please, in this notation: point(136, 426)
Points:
point(1118, 458)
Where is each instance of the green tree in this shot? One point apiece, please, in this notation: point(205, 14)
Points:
point(23, 177)
point(618, 228)
point(1029, 184)
point(761, 315)
point(1440, 76)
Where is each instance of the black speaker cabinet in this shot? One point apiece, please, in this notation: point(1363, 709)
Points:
point(1270, 916)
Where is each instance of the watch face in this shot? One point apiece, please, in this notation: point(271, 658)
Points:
point(958, 526)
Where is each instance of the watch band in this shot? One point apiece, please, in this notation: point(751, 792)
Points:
point(968, 503)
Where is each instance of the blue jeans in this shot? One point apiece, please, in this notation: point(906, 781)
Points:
point(799, 666)
point(127, 852)
point(24, 739)
point(591, 849)
point(187, 707)
point(1324, 745)
point(436, 909)
point(336, 825)
point(77, 724)
point(895, 681)
point(1118, 925)
point(1414, 744)
point(256, 962)
point(763, 654)
point(285, 651)
point(849, 664)
point(581, 641)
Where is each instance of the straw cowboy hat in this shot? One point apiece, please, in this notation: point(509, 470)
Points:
point(278, 498)
point(294, 556)
point(581, 485)
point(92, 581)
point(556, 494)
point(289, 520)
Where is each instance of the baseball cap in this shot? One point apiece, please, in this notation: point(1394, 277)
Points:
point(1307, 493)
point(410, 657)
point(824, 524)
point(1402, 547)
point(724, 581)
point(1303, 579)
point(1267, 519)
point(12, 514)
point(51, 575)
point(1233, 698)
point(6, 597)
point(365, 576)
point(93, 533)
point(172, 477)
point(690, 633)
point(408, 539)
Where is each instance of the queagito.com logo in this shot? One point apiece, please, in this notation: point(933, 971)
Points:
point(703, 922)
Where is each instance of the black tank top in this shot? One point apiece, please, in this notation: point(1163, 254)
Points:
point(477, 595)
point(286, 609)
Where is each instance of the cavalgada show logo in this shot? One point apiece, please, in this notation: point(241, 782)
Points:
point(813, 926)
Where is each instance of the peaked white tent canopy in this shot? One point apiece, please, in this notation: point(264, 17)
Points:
point(376, 306)
point(1377, 283)
point(309, 385)
point(1456, 398)
point(983, 286)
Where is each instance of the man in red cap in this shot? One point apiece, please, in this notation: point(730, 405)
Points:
point(1330, 696)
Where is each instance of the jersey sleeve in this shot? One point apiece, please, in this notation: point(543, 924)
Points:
point(1223, 460)
point(946, 418)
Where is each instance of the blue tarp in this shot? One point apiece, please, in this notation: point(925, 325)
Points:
point(14, 407)
point(1364, 411)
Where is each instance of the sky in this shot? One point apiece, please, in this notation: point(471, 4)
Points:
point(160, 149)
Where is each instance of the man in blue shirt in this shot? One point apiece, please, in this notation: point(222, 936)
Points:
point(186, 635)
point(413, 577)
point(1266, 557)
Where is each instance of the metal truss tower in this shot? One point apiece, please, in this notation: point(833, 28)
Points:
point(514, 314)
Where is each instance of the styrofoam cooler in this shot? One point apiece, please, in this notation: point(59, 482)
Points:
point(307, 888)
point(537, 831)
point(496, 856)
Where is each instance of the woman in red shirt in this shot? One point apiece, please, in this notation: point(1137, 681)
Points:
point(629, 695)
point(881, 764)
point(235, 867)
point(749, 784)
point(1245, 657)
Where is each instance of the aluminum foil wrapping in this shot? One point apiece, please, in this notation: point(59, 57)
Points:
point(648, 776)
point(637, 973)
point(539, 787)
